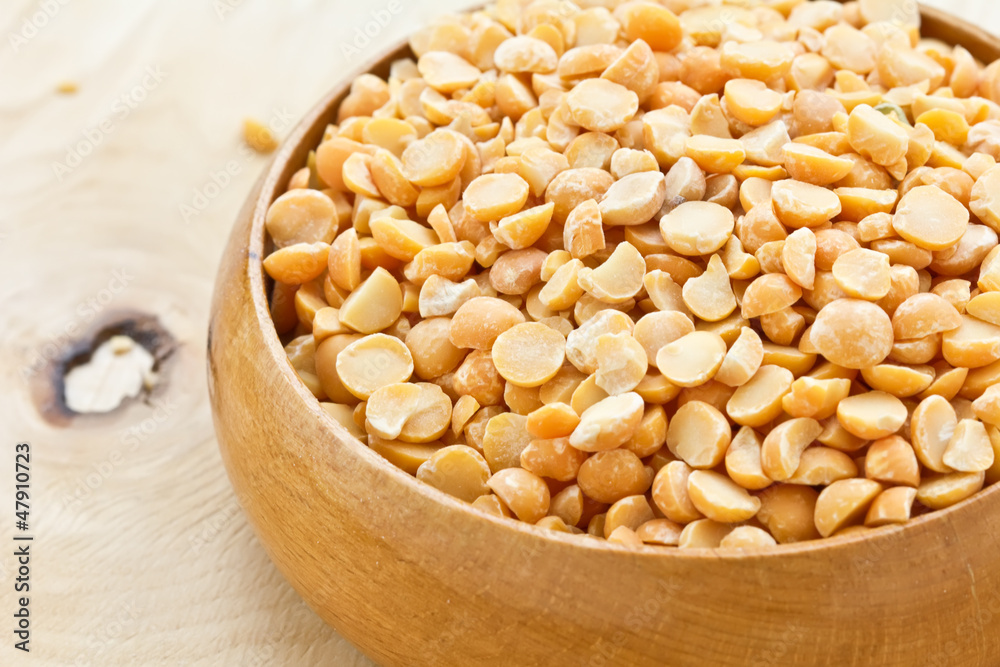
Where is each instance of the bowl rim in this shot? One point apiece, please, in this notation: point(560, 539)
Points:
point(271, 185)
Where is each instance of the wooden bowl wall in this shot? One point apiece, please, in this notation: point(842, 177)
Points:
point(415, 577)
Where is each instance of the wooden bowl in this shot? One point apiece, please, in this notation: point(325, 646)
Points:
point(414, 577)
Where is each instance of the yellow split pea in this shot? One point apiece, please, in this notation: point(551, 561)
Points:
point(552, 261)
point(529, 354)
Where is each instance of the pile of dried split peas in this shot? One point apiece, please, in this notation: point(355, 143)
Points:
point(679, 273)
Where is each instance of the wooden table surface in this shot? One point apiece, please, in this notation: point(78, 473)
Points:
point(117, 200)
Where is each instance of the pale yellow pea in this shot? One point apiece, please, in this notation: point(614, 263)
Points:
point(656, 329)
point(947, 382)
point(554, 420)
point(768, 294)
point(656, 389)
point(844, 503)
point(599, 105)
point(404, 455)
point(743, 460)
point(969, 449)
point(848, 48)
point(699, 435)
point(446, 71)
point(662, 532)
point(739, 264)
point(529, 354)
point(670, 493)
point(948, 126)
point(521, 230)
point(747, 537)
point(373, 362)
point(387, 176)
point(863, 274)
point(326, 323)
point(568, 505)
point(651, 435)
point(480, 320)
point(401, 238)
point(618, 278)
point(892, 460)
point(930, 218)
point(720, 498)
point(417, 413)
point(876, 137)
point(621, 363)
point(715, 155)
point(759, 401)
point(633, 199)
point(344, 260)
point(494, 196)
point(922, 315)
point(798, 257)
point(985, 197)
point(693, 359)
point(781, 451)
point(301, 216)
point(553, 458)
point(609, 476)
point(439, 296)
point(563, 289)
point(458, 470)
point(504, 437)
point(374, 305)
point(697, 228)
point(626, 161)
point(703, 534)
point(525, 494)
point(521, 400)
point(788, 512)
point(630, 512)
point(822, 466)
point(872, 415)
point(798, 204)
point(656, 25)
point(742, 360)
point(957, 292)
point(900, 381)
point(763, 146)
point(892, 506)
point(583, 234)
point(609, 423)
point(434, 160)
point(710, 295)
point(784, 327)
point(297, 263)
point(940, 491)
point(344, 415)
point(972, 345)
point(932, 425)
point(450, 261)
point(581, 344)
point(432, 351)
point(525, 54)
point(852, 333)
point(464, 409)
point(624, 536)
point(987, 406)
point(751, 102)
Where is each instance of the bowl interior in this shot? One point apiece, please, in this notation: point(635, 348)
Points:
point(293, 155)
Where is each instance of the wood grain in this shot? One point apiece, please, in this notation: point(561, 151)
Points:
point(142, 555)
